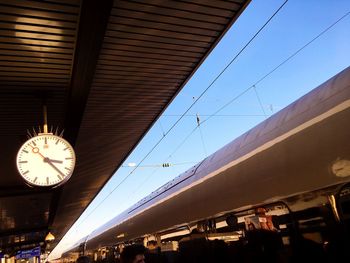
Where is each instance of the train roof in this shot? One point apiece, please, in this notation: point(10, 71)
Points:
point(291, 152)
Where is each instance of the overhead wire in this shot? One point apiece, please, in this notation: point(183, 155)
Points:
point(254, 85)
point(221, 108)
point(161, 127)
point(217, 115)
point(150, 175)
point(158, 165)
point(259, 100)
point(187, 110)
point(257, 82)
point(277, 67)
point(201, 135)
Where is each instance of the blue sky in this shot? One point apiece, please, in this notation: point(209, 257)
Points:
point(298, 22)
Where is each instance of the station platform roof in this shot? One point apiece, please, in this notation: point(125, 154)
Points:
point(107, 70)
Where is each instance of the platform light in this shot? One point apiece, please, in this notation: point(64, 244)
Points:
point(121, 235)
point(49, 237)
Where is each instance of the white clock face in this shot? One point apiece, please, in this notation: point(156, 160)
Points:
point(46, 160)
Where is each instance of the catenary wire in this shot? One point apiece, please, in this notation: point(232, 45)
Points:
point(187, 110)
point(259, 100)
point(242, 93)
point(275, 68)
point(246, 90)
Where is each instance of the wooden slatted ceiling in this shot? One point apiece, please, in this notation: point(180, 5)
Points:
point(150, 49)
point(37, 42)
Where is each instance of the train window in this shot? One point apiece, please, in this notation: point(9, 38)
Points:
point(289, 226)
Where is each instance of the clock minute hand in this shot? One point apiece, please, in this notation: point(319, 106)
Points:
point(47, 160)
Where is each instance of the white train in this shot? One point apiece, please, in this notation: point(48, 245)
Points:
point(303, 150)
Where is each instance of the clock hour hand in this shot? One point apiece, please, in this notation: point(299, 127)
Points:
point(47, 160)
point(54, 161)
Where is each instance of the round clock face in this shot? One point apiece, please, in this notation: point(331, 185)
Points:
point(46, 160)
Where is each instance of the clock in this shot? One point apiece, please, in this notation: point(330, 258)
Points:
point(46, 160)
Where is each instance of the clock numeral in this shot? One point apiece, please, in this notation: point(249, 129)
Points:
point(45, 140)
point(34, 143)
point(65, 148)
point(59, 177)
point(25, 151)
point(57, 141)
point(23, 161)
point(69, 158)
point(67, 168)
point(47, 180)
point(26, 172)
point(36, 178)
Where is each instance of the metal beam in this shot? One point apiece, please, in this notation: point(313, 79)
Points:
point(93, 22)
point(92, 26)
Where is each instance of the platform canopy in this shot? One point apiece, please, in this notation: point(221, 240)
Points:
point(106, 71)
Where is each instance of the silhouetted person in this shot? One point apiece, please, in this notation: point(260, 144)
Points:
point(307, 250)
point(263, 245)
point(251, 227)
point(83, 259)
point(133, 254)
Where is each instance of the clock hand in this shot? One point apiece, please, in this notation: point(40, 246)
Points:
point(47, 160)
point(55, 161)
point(36, 150)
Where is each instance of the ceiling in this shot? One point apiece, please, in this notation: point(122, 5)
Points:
point(106, 70)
